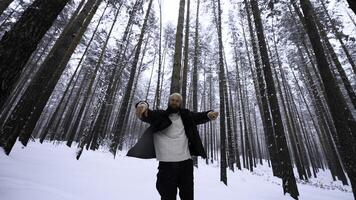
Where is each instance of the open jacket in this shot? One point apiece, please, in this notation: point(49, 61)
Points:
point(159, 120)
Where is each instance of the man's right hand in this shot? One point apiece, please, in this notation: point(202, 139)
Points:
point(141, 109)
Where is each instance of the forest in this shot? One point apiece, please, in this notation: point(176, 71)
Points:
point(281, 73)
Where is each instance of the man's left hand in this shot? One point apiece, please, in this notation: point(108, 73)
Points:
point(213, 115)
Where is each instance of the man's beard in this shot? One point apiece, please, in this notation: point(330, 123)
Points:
point(171, 109)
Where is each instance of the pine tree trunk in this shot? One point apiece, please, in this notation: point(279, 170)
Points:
point(206, 126)
point(243, 126)
point(343, 121)
point(286, 106)
point(4, 4)
point(100, 126)
point(133, 91)
point(125, 98)
point(27, 112)
point(339, 38)
point(72, 109)
point(176, 79)
point(157, 99)
point(308, 145)
point(265, 111)
point(291, 127)
point(235, 147)
point(8, 16)
point(289, 182)
point(230, 139)
point(248, 130)
point(87, 135)
point(150, 80)
point(240, 103)
point(28, 74)
point(212, 134)
point(65, 49)
point(326, 127)
point(75, 103)
point(32, 67)
point(196, 58)
point(17, 45)
point(325, 130)
point(337, 63)
point(186, 56)
point(222, 82)
point(53, 122)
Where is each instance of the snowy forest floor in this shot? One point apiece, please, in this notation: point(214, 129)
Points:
point(51, 172)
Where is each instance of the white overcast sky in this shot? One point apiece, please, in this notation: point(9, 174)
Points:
point(170, 11)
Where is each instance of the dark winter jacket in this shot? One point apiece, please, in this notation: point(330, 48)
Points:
point(159, 120)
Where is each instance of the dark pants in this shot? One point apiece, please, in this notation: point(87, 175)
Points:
point(173, 175)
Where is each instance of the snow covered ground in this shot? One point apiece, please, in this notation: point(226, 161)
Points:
point(51, 172)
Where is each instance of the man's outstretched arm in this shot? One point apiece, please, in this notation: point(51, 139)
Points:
point(203, 117)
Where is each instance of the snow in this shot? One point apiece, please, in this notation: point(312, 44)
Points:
point(51, 172)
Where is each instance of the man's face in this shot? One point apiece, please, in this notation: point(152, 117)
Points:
point(174, 102)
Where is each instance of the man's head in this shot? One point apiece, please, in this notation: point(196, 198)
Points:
point(175, 101)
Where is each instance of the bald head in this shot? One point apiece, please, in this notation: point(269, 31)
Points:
point(175, 100)
point(176, 95)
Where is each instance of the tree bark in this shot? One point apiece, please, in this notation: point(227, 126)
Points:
point(157, 100)
point(338, 36)
point(126, 97)
point(87, 135)
point(17, 45)
point(99, 129)
point(289, 182)
point(176, 79)
point(336, 61)
point(8, 16)
point(186, 56)
point(222, 82)
point(265, 108)
point(27, 112)
point(4, 4)
point(343, 119)
point(195, 62)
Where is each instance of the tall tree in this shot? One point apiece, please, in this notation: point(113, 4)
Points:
point(338, 35)
point(222, 82)
point(336, 61)
point(343, 120)
point(52, 122)
point(186, 56)
point(106, 108)
point(28, 110)
point(177, 62)
point(195, 62)
point(125, 99)
point(157, 99)
point(264, 107)
point(87, 135)
point(289, 182)
point(17, 45)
